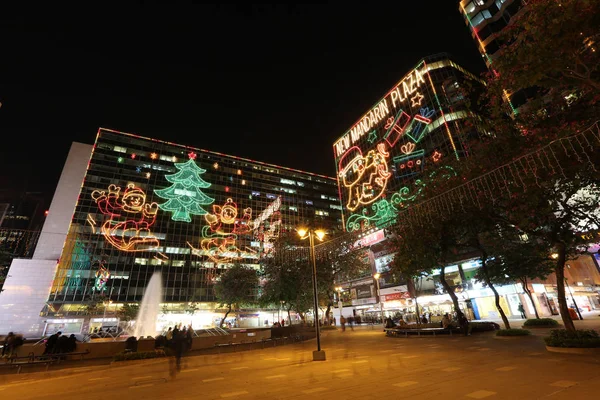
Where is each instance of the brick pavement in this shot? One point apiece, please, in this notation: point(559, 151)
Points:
point(361, 364)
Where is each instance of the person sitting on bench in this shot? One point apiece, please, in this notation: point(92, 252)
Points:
point(389, 323)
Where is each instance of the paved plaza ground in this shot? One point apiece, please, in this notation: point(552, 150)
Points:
point(361, 364)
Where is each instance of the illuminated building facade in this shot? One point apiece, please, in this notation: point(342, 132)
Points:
point(486, 19)
point(147, 205)
point(382, 159)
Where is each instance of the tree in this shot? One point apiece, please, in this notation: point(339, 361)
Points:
point(339, 259)
point(184, 197)
point(288, 282)
point(551, 44)
point(236, 286)
point(421, 251)
point(549, 51)
point(515, 258)
point(128, 311)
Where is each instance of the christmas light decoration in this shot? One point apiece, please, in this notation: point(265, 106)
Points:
point(153, 156)
point(102, 275)
point(147, 175)
point(416, 100)
point(396, 127)
point(192, 155)
point(133, 155)
point(410, 164)
point(417, 129)
point(220, 235)
point(385, 212)
point(501, 181)
point(239, 171)
point(184, 197)
point(129, 219)
point(120, 159)
point(407, 148)
point(436, 156)
point(216, 165)
point(138, 169)
point(216, 153)
point(365, 178)
point(372, 137)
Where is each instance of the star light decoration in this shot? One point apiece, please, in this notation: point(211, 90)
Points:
point(417, 99)
point(153, 156)
point(192, 155)
point(372, 137)
point(436, 156)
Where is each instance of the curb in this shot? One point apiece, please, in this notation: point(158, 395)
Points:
point(590, 351)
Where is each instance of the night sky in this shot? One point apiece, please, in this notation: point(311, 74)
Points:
point(272, 83)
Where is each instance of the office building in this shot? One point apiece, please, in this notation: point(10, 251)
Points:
point(145, 205)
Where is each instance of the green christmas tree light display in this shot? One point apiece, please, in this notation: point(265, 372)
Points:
point(184, 197)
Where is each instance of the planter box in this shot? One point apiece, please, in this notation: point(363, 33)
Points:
point(592, 351)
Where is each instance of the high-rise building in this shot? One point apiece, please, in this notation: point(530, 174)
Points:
point(146, 205)
point(486, 19)
point(423, 120)
point(384, 160)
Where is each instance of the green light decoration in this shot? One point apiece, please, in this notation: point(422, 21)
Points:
point(184, 197)
point(383, 212)
point(372, 137)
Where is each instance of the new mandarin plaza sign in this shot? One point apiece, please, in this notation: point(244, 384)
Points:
point(405, 90)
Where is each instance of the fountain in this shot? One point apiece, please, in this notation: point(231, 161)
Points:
point(145, 322)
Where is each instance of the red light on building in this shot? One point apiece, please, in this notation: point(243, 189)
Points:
point(46, 213)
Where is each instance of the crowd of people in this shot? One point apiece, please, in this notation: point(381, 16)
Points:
point(60, 344)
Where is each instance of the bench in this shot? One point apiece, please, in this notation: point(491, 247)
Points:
point(59, 356)
point(225, 345)
point(418, 331)
point(21, 364)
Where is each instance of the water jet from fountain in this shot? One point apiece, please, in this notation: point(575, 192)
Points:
point(145, 321)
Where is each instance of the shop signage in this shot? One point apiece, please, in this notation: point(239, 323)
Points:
point(396, 296)
point(362, 292)
point(370, 239)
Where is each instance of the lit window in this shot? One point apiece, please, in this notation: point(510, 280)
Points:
point(292, 208)
point(243, 181)
point(177, 250)
point(120, 149)
point(271, 196)
point(301, 184)
point(309, 202)
point(335, 206)
point(287, 181)
point(321, 212)
point(255, 193)
point(323, 196)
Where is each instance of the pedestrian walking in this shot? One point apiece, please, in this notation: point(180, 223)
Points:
point(522, 311)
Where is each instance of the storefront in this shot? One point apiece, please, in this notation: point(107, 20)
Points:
point(66, 326)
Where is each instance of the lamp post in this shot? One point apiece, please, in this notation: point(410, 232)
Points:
point(377, 276)
point(318, 355)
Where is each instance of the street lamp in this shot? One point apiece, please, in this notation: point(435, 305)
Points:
point(304, 233)
point(377, 276)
